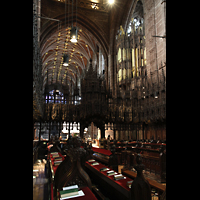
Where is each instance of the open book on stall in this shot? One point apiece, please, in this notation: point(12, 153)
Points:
point(70, 192)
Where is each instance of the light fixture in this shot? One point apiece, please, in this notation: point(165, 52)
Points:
point(110, 1)
point(65, 60)
point(73, 32)
point(73, 35)
point(65, 56)
point(94, 6)
point(156, 95)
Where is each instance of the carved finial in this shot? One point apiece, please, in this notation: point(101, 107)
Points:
point(113, 161)
point(139, 159)
point(76, 151)
point(140, 188)
point(89, 151)
point(113, 149)
point(139, 167)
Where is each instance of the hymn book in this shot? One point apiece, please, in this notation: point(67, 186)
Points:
point(118, 177)
point(58, 159)
point(57, 163)
point(80, 194)
point(69, 191)
point(53, 153)
point(104, 169)
point(70, 188)
point(95, 163)
point(91, 160)
point(110, 173)
point(55, 156)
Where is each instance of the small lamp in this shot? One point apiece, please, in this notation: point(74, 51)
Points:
point(65, 59)
point(73, 35)
point(156, 95)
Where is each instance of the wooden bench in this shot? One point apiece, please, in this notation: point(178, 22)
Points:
point(140, 188)
point(70, 171)
point(119, 188)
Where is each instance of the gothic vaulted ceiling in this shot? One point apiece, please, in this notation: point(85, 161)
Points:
point(96, 19)
point(92, 23)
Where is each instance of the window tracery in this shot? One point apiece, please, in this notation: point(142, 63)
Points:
point(55, 96)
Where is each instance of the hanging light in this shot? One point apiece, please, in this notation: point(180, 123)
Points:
point(73, 35)
point(110, 1)
point(65, 56)
point(65, 60)
point(73, 32)
point(156, 95)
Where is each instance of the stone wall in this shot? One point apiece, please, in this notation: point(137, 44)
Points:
point(154, 18)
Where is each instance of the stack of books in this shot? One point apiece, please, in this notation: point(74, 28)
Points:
point(110, 173)
point(118, 177)
point(104, 169)
point(57, 159)
point(56, 163)
point(55, 154)
point(91, 160)
point(70, 192)
point(95, 163)
point(70, 187)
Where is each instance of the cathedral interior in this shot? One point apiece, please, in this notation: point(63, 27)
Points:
point(99, 85)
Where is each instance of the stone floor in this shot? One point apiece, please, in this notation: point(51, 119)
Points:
point(40, 181)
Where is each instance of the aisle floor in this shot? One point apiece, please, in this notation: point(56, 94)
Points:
point(40, 182)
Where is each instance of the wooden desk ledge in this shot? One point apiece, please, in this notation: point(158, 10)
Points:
point(119, 183)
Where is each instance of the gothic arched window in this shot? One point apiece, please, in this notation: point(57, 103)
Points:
point(55, 96)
